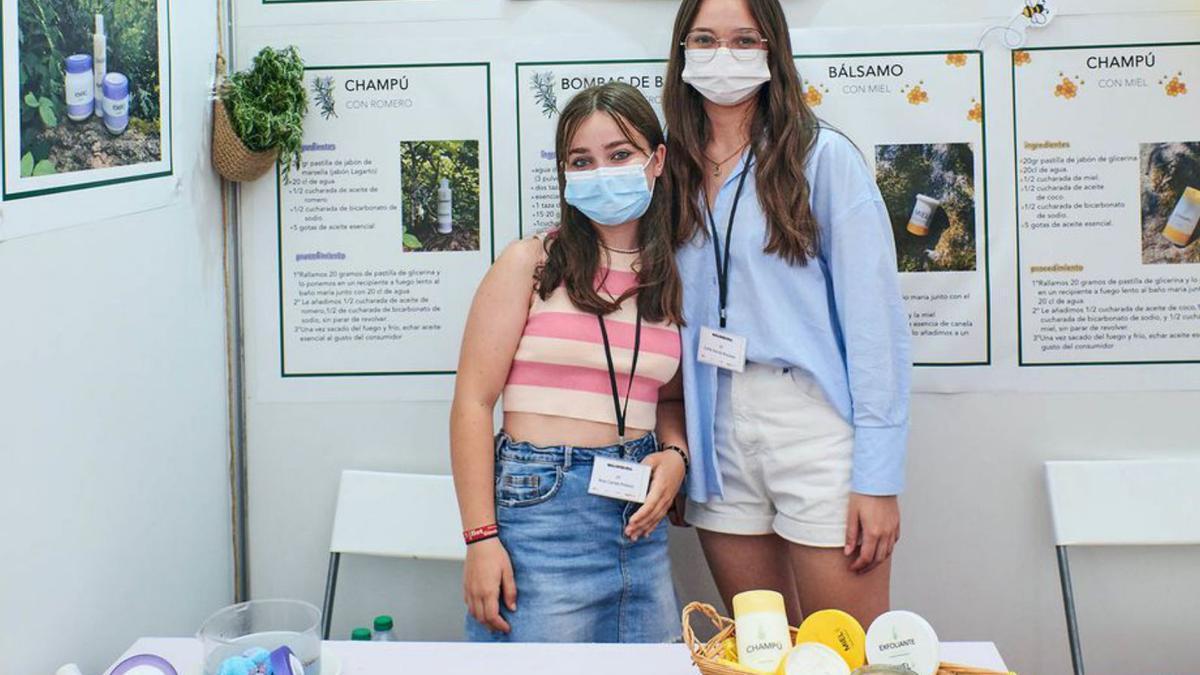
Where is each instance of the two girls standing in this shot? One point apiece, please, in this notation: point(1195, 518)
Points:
point(779, 322)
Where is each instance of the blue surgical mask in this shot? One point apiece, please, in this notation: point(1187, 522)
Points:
point(610, 195)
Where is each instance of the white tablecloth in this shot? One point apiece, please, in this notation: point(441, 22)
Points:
point(461, 658)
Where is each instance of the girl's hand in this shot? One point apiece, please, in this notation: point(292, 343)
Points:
point(488, 573)
point(872, 527)
point(667, 473)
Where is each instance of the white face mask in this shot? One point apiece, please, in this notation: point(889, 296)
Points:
point(726, 79)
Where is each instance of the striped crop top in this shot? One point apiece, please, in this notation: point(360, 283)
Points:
point(560, 367)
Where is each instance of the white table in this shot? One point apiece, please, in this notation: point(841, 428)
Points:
point(463, 658)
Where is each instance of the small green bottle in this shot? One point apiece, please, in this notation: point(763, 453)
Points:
point(383, 629)
point(361, 634)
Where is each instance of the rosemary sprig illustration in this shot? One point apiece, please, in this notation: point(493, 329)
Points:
point(542, 85)
point(323, 90)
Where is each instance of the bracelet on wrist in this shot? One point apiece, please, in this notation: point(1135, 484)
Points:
point(687, 463)
point(479, 534)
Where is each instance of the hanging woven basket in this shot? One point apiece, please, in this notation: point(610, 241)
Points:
point(230, 156)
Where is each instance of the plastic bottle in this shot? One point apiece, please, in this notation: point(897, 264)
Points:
point(116, 103)
point(383, 629)
point(99, 61)
point(1182, 223)
point(762, 629)
point(77, 87)
point(360, 635)
point(923, 209)
point(445, 209)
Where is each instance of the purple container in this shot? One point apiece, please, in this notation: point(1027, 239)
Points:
point(116, 103)
point(79, 89)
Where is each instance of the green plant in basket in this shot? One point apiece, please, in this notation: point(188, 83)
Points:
point(267, 104)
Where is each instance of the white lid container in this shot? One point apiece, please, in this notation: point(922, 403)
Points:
point(813, 658)
point(903, 638)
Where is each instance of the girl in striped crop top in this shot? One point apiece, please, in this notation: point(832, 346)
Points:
point(579, 331)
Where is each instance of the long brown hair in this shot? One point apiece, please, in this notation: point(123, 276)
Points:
point(781, 133)
point(573, 248)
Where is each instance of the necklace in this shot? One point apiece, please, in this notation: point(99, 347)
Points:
point(620, 250)
point(717, 165)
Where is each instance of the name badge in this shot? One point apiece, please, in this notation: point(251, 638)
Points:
point(721, 349)
point(618, 479)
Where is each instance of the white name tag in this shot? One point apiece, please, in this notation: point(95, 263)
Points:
point(721, 349)
point(618, 479)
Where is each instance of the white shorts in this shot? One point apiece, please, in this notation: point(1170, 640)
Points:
point(785, 456)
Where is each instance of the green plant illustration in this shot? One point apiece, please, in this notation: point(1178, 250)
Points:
point(542, 85)
point(267, 103)
point(323, 91)
point(423, 165)
point(945, 172)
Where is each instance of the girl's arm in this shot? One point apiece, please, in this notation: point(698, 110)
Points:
point(668, 467)
point(490, 339)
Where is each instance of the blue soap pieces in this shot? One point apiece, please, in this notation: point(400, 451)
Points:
point(258, 655)
point(238, 665)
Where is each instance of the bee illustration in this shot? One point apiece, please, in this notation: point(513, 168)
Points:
point(1038, 13)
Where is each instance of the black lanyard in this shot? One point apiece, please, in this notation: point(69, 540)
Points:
point(723, 269)
point(612, 371)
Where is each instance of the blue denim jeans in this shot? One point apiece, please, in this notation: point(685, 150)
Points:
point(579, 579)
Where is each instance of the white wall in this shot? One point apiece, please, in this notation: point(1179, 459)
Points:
point(976, 556)
point(114, 506)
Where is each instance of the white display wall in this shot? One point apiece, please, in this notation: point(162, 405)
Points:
point(114, 435)
point(370, 388)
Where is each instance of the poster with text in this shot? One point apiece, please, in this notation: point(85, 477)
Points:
point(918, 120)
point(86, 94)
point(1107, 153)
point(386, 229)
point(543, 89)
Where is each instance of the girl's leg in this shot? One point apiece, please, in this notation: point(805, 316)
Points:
point(750, 562)
point(823, 579)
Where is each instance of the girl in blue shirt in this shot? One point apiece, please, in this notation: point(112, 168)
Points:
point(796, 346)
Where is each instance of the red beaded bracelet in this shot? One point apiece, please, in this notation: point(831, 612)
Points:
point(480, 533)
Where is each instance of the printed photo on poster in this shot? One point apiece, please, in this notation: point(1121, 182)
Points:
point(439, 185)
point(929, 191)
point(1170, 203)
point(86, 93)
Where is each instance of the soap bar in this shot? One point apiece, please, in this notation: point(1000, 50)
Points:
point(837, 630)
point(284, 662)
point(903, 638)
point(813, 658)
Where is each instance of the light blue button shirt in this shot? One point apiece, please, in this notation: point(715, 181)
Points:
point(840, 317)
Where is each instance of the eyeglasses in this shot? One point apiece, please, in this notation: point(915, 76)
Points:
point(702, 45)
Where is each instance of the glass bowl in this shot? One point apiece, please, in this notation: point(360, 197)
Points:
point(268, 624)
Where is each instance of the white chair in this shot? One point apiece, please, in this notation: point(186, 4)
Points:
point(1119, 503)
point(396, 515)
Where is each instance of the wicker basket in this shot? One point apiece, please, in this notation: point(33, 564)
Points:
point(706, 655)
point(230, 156)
